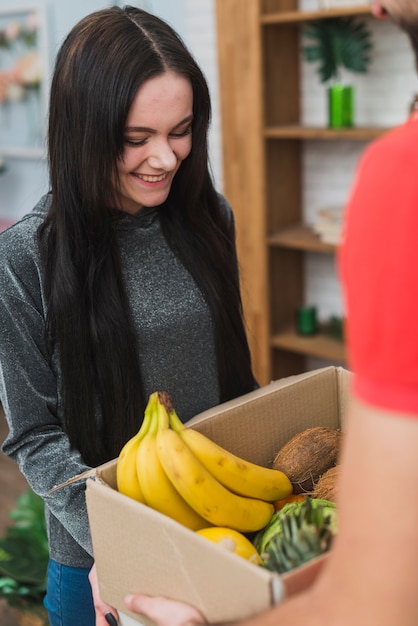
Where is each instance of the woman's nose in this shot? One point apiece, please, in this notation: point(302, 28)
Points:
point(162, 157)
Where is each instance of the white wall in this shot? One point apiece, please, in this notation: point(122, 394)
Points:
point(26, 179)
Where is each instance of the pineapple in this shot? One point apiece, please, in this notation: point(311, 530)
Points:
point(297, 534)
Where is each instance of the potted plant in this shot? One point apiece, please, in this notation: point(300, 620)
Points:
point(338, 43)
point(23, 561)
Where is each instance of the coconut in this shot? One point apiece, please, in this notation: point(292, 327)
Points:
point(326, 487)
point(308, 455)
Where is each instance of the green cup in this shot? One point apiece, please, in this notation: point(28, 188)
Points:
point(341, 106)
point(306, 322)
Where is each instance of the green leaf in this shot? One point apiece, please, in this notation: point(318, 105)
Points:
point(24, 552)
point(29, 521)
point(24, 561)
point(338, 43)
point(8, 585)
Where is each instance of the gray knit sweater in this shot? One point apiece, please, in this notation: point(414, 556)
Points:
point(176, 354)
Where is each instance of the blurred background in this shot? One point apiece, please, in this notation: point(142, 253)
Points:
point(25, 177)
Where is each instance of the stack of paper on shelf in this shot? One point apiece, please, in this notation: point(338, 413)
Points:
point(328, 225)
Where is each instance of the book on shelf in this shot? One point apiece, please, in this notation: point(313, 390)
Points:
point(328, 225)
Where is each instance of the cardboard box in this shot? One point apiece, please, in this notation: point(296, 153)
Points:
point(138, 549)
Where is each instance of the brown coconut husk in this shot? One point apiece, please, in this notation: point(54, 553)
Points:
point(326, 487)
point(308, 455)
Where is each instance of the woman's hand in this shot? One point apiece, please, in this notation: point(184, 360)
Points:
point(164, 612)
point(102, 610)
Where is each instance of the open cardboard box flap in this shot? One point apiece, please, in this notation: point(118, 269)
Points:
point(138, 549)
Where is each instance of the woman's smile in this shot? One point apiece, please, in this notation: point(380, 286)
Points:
point(150, 178)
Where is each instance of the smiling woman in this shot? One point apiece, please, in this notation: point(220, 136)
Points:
point(122, 281)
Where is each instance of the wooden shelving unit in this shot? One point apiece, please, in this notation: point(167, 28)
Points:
point(298, 237)
point(296, 131)
point(286, 17)
point(259, 57)
point(319, 345)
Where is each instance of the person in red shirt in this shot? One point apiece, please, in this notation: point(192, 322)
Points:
point(370, 577)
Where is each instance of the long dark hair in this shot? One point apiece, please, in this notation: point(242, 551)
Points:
point(102, 63)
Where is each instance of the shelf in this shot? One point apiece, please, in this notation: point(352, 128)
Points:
point(296, 131)
point(319, 345)
point(290, 17)
point(299, 237)
point(261, 77)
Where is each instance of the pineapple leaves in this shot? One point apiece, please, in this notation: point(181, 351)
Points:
point(296, 534)
point(337, 43)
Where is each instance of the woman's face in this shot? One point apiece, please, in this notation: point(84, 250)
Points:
point(158, 137)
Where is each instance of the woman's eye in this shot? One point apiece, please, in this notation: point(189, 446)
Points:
point(135, 142)
point(183, 133)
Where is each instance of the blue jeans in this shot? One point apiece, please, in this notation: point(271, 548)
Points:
point(68, 599)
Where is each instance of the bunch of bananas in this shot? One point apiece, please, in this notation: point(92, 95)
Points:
point(186, 476)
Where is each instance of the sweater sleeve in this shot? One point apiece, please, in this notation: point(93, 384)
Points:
point(29, 385)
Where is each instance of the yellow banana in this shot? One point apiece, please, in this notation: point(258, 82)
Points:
point(159, 493)
point(126, 475)
point(238, 475)
point(204, 492)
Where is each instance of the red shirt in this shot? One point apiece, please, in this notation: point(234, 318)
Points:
point(379, 271)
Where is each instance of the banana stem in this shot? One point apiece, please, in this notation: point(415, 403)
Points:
point(164, 398)
point(162, 413)
point(175, 422)
point(173, 419)
point(148, 414)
